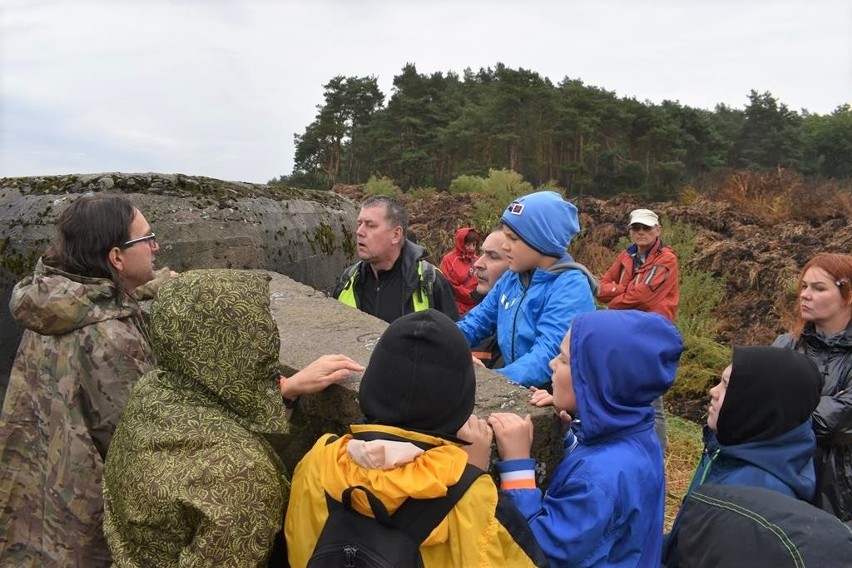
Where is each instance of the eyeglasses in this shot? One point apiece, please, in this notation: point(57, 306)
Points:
point(150, 239)
point(639, 227)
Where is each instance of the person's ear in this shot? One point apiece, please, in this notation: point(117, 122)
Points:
point(116, 259)
point(397, 235)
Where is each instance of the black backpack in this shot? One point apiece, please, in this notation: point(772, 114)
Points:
point(352, 540)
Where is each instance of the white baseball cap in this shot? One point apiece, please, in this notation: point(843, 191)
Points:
point(645, 217)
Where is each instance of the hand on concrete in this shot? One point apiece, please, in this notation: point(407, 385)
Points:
point(514, 435)
point(479, 434)
point(540, 397)
point(477, 362)
point(325, 371)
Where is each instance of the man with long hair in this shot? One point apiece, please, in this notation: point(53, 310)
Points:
point(84, 346)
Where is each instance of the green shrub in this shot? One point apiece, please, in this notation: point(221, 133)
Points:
point(703, 358)
point(505, 185)
point(420, 193)
point(467, 184)
point(501, 187)
point(381, 186)
point(552, 185)
point(688, 195)
point(701, 365)
point(700, 292)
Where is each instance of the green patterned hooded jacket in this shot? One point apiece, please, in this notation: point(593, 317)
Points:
point(190, 479)
point(83, 349)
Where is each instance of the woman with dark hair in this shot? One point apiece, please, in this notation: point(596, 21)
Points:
point(83, 348)
point(823, 331)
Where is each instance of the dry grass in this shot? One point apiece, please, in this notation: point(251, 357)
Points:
point(684, 450)
point(780, 195)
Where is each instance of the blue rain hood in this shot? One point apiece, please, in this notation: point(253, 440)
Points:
point(621, 360)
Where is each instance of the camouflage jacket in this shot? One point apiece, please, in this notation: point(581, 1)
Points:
point(190, 479)
point(81, 352)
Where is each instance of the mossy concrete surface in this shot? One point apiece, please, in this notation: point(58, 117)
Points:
point(200, 223)
point(311, 325)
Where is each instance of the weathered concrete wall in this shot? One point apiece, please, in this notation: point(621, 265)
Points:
point(311, 325)
point(200, 223)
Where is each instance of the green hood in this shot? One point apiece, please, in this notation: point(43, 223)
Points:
point(213, 328)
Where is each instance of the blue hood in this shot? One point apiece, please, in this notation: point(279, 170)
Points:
point(788, 457)
point(621, 360)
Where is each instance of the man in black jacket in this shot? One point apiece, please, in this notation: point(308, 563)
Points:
point(391, 278)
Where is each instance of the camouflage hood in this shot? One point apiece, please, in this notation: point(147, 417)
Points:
point(53, 302)
point(214, 328)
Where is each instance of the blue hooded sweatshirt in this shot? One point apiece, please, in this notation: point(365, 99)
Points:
point(531, 311)
point(604, 505)
point(531, 315)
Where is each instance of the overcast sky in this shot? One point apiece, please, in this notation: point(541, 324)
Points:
point(219, 87)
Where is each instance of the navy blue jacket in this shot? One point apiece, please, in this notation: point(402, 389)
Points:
point(784, 463)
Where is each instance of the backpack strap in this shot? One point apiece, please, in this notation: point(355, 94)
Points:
point(419, 517)
point(428, 279)
point(346, 279)
point(380, 512)
point(426, 275)
point(416, 517)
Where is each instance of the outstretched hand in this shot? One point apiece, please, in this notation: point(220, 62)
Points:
point(514, 435)
point(479, 434)
point(326, 370)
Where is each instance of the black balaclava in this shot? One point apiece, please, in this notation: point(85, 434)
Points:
point(771, 391)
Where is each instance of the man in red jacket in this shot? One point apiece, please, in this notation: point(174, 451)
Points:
point(457, 266)
point(644, 277)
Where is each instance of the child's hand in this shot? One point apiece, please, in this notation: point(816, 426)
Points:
point(479, 434)
point(514, 435)
point(540, 397)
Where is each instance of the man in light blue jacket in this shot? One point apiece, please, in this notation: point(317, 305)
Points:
point(532, 305)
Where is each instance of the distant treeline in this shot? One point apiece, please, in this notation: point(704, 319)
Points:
point(585, 139)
